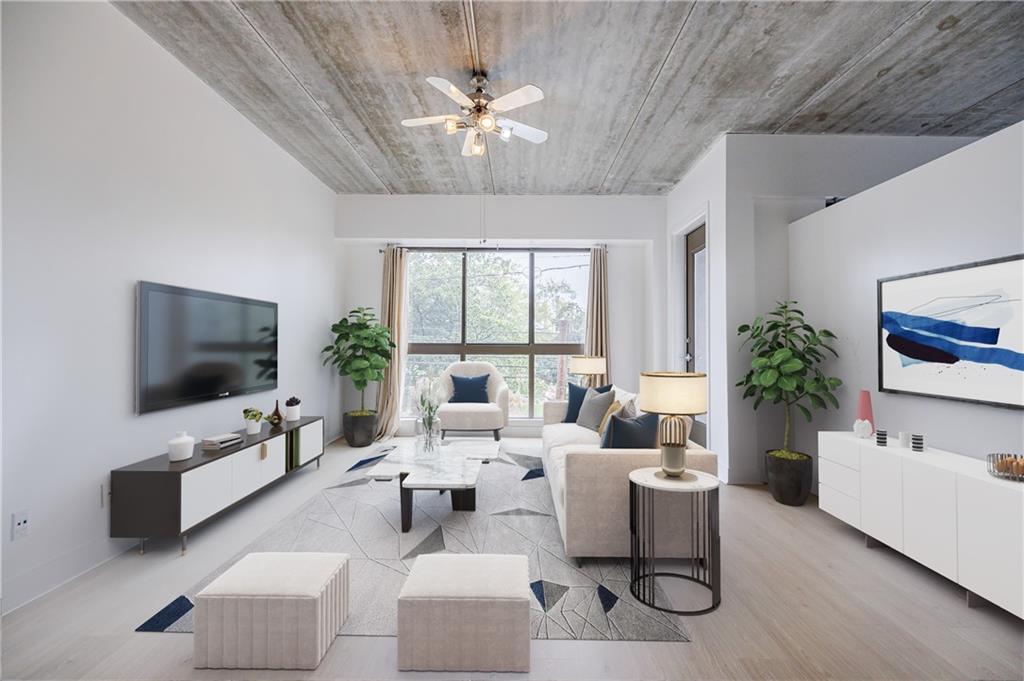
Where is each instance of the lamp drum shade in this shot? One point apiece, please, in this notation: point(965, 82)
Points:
point(587, 366)
point(673, 392)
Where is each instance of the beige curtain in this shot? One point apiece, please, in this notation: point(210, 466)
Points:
point(392, 315)
point(597, 310)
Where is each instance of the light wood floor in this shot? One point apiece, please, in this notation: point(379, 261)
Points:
point(802, 599)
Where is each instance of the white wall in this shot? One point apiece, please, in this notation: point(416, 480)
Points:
point(119, 165)
point(631, 226)
point(963, 207)
point(737, 171)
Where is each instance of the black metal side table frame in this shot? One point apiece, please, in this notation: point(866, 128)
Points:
point(705, 547)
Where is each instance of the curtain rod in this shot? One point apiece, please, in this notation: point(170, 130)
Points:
point(519, 249)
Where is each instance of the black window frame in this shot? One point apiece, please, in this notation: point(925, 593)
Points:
point(531, 348)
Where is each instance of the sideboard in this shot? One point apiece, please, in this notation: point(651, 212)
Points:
point(158, 497)
point(939, 508)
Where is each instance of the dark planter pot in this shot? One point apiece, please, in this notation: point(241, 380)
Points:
point(359, 429)
point(789, 480)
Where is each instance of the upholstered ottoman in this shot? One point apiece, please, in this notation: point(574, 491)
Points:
point(465, 612)
point(272, 611)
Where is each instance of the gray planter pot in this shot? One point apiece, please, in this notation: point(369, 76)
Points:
point(359, 429)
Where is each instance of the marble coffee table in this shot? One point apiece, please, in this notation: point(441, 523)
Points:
point(454, 468)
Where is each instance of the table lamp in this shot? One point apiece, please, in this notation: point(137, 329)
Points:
point(590, 367)
point(673, 394)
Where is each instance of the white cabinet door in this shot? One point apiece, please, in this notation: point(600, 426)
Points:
point(842, 448)
point(311, 441)
point(245, 472)
point(929, 515)
point(881, 496)
point(204, 491)
point(990, 532)
point(272, 467)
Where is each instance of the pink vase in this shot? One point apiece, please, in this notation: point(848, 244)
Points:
point(864, 412)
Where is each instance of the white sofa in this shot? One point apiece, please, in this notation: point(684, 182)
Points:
point(590, 490)
point(475, 416)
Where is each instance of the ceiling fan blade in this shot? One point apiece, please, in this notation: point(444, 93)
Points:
point(528, 94)
point(467, 144)
point(457, 95)
point(527, 132)
point(427, 120)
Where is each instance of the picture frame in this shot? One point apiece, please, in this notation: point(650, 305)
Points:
point(954, 333)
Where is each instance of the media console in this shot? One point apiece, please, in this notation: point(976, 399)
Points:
point(939, 508)
point(158, 497)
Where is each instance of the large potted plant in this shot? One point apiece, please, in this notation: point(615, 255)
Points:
point(784, 370)
point(361, 350)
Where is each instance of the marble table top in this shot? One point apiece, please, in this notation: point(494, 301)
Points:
point(455, 466)
point(689, 481)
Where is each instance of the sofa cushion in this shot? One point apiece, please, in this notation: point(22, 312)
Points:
point(561, 434)
point(555, 472)
point(636, 433)
point(472, 389)
point(595, 406)
point(470, 416)
point(576, 395)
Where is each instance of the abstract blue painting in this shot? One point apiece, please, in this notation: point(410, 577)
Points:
point(956, 333)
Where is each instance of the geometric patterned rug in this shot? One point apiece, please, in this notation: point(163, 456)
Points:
point(514, 514)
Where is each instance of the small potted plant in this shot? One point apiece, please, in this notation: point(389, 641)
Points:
point(361, 350)
point(784, 371)
point(253, 417)
point(291, 409)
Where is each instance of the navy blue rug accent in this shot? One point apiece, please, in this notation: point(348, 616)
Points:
point(366, 462)
point(608, 599)
point(171, 613)
point(538, 591)
point(534, 473)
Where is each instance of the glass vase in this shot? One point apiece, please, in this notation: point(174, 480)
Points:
point(428, 437)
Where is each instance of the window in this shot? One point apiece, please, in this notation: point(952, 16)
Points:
point(522, 310)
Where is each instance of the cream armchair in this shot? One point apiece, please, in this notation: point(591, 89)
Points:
point(475, 416)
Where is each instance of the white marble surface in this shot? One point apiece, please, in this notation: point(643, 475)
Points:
point(689, 481)
point(455, 466)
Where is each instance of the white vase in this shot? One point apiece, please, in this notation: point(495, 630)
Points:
point(181, 446)
point(252, 427)
point(292, 413)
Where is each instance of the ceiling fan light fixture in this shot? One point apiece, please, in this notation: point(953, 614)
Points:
point(478, 148)
point(451, 126)
point(487, 122)
point(505, 134)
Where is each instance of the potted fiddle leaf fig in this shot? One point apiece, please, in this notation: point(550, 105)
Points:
point(361, 350)
point(784, 370)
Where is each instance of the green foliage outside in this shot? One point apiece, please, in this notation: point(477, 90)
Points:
point(783, 370)
point(497, 302)
point(361, 350)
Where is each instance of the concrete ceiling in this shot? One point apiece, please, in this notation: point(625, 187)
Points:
point(635, 92)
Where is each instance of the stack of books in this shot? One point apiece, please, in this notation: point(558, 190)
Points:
point(221, 441)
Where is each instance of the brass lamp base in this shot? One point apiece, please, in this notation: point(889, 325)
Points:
point(672, 433)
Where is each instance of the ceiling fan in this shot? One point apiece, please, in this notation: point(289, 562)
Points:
point(480, 114)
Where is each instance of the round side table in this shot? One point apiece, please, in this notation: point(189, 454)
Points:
point(705, 541)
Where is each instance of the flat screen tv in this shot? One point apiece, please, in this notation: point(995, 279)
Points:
point(194, 346)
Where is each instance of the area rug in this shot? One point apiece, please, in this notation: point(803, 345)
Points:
point(514, 514)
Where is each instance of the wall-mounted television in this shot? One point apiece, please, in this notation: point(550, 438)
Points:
point(193, 346)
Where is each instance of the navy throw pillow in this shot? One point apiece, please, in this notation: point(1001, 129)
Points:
point(469, 388)
point(637, 433)
point(576, 395)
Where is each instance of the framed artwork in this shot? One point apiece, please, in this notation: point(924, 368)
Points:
point(955, 333)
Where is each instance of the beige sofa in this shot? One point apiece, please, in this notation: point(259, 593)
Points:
point(590, 490)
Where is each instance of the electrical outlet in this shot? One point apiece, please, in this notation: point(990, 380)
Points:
point(19, 525)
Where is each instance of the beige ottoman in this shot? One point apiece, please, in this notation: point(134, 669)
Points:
point(465, 612)
point(272, 611)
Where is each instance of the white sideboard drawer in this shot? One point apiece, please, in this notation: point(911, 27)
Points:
point(929, 515)
point(840, 505)
point(842, 448)
point(204, 491)
point(273, 467)
point(990, 532)
point(838, 477)
point(311, 441)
